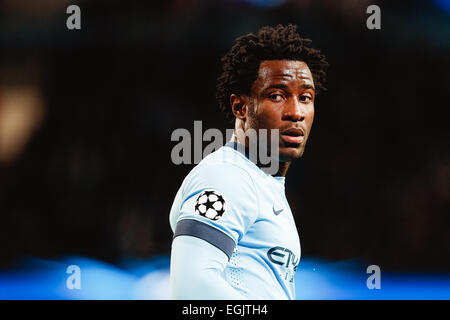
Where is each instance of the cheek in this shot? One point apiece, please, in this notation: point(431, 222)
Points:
point(271, 115)
point(263, 116)
point(311, 115)
point(310, 120)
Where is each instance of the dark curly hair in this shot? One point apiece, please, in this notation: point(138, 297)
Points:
point(241, 63)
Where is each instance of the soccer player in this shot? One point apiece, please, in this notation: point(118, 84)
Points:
point(234, 234)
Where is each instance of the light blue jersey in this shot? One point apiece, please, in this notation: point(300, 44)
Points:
point(232, 204)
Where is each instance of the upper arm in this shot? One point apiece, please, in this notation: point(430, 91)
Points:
point(229, 192)
point(203, 242)
point(196, 271)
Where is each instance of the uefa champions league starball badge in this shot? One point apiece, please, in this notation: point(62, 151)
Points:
point(210, 204)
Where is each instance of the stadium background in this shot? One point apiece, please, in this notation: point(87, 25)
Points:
point(86, 118)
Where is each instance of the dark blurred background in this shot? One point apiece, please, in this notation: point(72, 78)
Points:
point(86, 118)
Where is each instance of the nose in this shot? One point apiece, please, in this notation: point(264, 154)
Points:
point(294, 111)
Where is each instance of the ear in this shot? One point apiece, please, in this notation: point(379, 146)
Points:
point(239, 106)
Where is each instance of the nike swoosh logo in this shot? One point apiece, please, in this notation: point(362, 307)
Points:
point(277, 212)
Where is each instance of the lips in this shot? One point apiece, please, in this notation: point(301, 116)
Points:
point(293, 135)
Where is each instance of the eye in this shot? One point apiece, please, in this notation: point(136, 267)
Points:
point(276, 97)
point(305, 98)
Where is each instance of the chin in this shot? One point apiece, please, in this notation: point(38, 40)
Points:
point(290, 154)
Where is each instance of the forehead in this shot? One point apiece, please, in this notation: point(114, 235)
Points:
point(284, 71)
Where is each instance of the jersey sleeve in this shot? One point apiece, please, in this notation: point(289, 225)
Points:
point(218, 204)
point(196, 269)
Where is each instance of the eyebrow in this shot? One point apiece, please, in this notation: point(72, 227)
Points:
point(284, 86)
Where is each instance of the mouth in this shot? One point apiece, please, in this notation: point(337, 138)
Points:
point(293, 135)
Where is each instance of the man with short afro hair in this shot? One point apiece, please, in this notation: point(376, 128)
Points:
point(234, 233)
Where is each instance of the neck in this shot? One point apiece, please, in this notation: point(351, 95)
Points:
point(282, 166)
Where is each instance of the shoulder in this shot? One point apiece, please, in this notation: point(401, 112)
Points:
point(222, 176)
point(222, 169)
